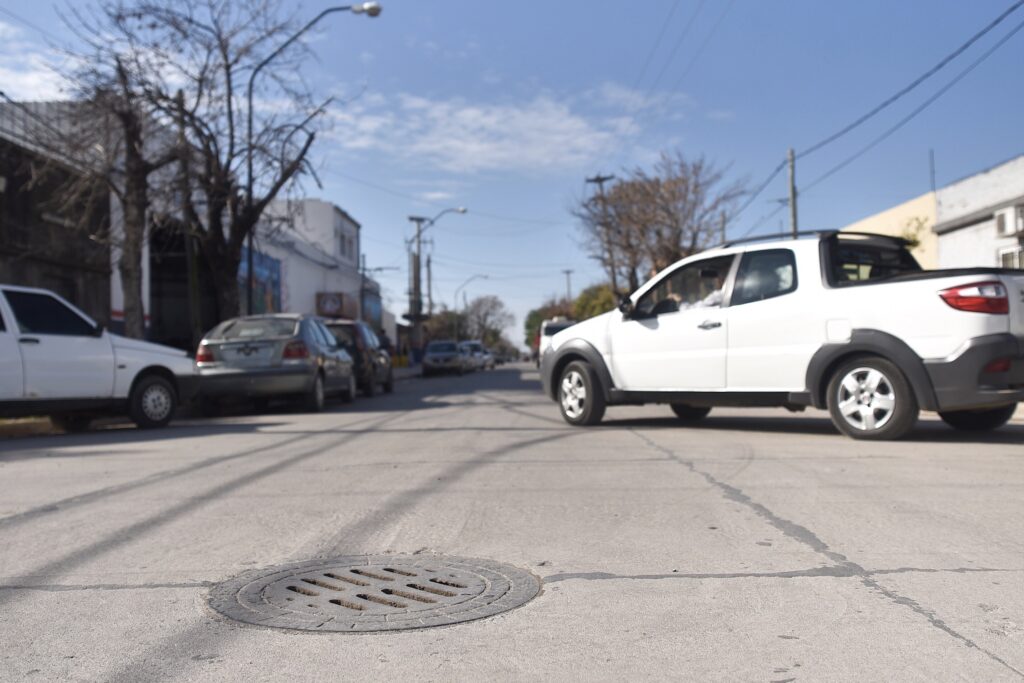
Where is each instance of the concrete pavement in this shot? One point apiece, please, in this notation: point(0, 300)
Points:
point(756, 546)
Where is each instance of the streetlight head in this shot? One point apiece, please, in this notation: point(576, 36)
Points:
point(462, 209)
point(372, 9)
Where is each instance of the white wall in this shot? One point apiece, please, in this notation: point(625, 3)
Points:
point(989, 188)
point(977, 245)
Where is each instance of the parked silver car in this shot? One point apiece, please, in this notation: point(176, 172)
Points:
point(266, 356)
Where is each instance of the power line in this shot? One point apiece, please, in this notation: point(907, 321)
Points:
point(703, 46)
point(675, 48)
point(35, 27)
point(916, 82)
point(657, 44)
point(761, 188)
point(907, 119)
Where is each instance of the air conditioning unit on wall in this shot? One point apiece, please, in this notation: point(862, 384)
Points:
point(1010, 221)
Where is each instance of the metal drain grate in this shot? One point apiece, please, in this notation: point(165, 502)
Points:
point(374, 593)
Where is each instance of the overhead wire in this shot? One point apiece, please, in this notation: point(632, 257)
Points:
point(657, 43)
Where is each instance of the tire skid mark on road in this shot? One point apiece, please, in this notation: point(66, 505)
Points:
point(135, 531)
point(155, 478)
point(805, 536)
point(348, 539)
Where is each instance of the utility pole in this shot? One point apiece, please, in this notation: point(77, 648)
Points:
point(600, 180)
point(362, 287)
point(792, 192)
point(430, 288)
point(568, 285)
point(416, 300)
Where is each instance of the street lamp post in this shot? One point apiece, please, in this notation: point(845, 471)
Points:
point(370, 9)
point(455, 303)
point(416, 299)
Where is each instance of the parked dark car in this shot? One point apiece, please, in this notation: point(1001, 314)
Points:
point(372, 361)
point(446, 356)
point(267, 356)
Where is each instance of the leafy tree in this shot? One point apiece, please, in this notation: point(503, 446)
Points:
point(551, 308)
point(594, 301)
point(487, 318)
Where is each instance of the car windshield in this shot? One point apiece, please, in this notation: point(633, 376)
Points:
point(441, 347)
point(256, 328)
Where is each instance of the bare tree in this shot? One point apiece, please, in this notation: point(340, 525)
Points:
point(487, 318)
point(653, 218)
point(206, 50)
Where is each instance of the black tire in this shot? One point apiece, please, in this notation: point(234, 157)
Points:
point(152, 402)
point(349, 394)
point(71, 423)
point(886, 412)
point(389, 383)
point(688, 413)
point(982, 420)
point(581, 408)
point(314, 400)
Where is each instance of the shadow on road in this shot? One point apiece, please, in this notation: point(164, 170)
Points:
point(927, 431)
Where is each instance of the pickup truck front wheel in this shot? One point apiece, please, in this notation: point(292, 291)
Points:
point(579, 395)
point(979, 420)
point(869, 398)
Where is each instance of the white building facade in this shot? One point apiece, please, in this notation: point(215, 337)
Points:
point(980, 219)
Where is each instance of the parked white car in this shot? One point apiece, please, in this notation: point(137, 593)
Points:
point(56, 361)
point(847, 322)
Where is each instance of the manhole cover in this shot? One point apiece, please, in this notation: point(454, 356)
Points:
point(374, 593)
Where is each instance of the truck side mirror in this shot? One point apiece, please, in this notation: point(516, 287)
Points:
point(626, 306)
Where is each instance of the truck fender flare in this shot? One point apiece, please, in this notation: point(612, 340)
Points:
point(876, 343)
point(578, 349)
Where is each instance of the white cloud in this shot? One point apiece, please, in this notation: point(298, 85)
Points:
point(721, 115)
point(618, 96)
point(460, 136)
point(26, 71)
point(436, 196)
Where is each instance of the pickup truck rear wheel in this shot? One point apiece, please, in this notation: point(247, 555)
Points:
point(979, 420)
point(580, 397)
point(869, 398)
point(152, 402)
point(688, 413)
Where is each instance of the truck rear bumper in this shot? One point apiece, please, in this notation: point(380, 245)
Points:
point(961, 381)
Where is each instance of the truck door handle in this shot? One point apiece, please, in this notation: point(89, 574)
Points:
point(28, 340)
point(709, 325)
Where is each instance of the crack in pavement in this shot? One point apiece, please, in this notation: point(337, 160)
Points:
point(827, 571)
point(805, 536)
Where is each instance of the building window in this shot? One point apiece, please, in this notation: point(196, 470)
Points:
point(1012, 257)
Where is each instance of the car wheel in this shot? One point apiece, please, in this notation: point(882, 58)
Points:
point(314, 400)
point(152, 402)
point(71, 422)
point(580, 397)
point(869, 398)
point(349, 394)
point(389, 383)
point(979, 420)
point(688, 413)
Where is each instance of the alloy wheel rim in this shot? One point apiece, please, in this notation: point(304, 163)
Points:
point(156, 403)
point(866, 399)
point(574, 394)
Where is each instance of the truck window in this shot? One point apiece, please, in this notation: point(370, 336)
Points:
point(764, 275)
point(852, 262)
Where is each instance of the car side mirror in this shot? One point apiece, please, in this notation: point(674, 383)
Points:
point(98, 330)
point(626, 306)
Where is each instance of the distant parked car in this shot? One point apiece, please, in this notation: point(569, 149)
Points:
point(372, 360)
point(445, 357)
point(548, 329)
point(475, 350)
point(490, 360)
point(56, 361)
point(268, 356)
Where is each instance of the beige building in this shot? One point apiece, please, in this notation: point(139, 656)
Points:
point(913, 220)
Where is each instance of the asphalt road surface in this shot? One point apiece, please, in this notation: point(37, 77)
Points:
point(759, 546)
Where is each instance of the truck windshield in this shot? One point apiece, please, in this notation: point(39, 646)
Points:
point(855, 261)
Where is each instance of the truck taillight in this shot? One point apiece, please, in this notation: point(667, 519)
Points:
point(204, 355)
point(295, 349)
point(978, 297)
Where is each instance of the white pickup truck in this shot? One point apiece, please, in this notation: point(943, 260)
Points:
point(56, 361)
point(843, 321)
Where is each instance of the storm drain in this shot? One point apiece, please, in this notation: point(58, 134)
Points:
point(374, 593)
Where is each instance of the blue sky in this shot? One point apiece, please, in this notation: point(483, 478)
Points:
point(505, 108)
